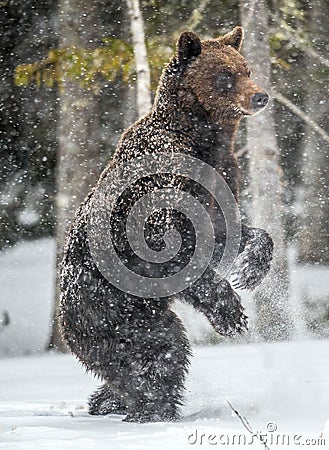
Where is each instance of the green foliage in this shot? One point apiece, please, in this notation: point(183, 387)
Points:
point(159, 51)
point(115, 57)
point(291, 11)
point(86, 66)
point(89, 66)
point(289, 31)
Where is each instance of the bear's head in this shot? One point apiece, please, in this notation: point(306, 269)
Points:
point(213, 76)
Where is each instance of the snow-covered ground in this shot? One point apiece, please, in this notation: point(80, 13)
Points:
point(282, 389)
point(26, 293)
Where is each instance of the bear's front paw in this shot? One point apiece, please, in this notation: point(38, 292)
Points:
point(228, 318)
point(253, 264)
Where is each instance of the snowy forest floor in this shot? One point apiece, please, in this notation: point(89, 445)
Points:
point(282, 389)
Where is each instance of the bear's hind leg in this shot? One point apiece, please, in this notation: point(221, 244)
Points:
point(142, 359)
point(158, 363)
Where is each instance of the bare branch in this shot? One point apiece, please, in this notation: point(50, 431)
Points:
point(306, 118)
point(312, 53)
point(296, 110)
point(301, 43)
point(298, 41)
point(242, 151)
point(197, 15)
point(248, 427)
point(203, 5)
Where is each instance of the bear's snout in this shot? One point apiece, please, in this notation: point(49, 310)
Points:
point(259, 100)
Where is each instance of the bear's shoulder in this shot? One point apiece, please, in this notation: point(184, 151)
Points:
point(151, 135)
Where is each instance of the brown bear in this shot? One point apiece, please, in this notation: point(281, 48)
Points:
point(134, 343)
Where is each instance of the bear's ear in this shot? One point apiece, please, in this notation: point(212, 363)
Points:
point(188, 45)
point(234, 38)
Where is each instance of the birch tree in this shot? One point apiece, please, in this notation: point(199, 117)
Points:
point(272, 296)
point(143, 95)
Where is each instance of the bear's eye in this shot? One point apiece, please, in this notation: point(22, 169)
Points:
point(225, 81)
point(249, 73)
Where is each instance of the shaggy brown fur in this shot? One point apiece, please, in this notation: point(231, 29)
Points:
point(138, 346)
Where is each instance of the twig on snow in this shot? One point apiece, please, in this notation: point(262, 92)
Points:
point(247, 426)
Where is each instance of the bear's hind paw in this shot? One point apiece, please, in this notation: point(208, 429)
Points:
point(145, 417)
point(104, 402)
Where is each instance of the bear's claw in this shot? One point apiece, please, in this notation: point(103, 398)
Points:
point(228, 317)
point(253, 264)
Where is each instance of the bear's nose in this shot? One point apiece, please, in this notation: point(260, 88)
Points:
point(259, 100)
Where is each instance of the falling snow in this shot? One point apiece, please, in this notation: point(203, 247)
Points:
point(59, 127)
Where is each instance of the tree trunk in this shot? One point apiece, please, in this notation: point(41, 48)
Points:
point(314, 229)
point(28, 116)
point(272, 297)
point(80, 155)
point(142, 66)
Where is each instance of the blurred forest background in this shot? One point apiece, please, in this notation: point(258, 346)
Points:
point(68, 90)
